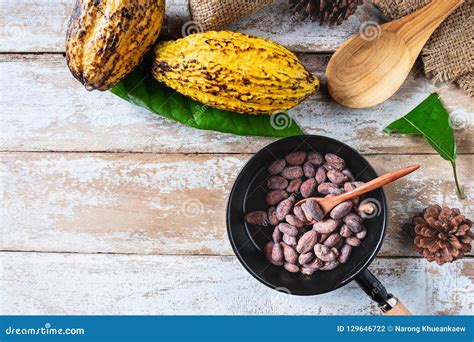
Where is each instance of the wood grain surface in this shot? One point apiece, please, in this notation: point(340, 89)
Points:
point(43, 283)
point(107, 208)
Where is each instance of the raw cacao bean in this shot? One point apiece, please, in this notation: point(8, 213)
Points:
point(294, 221)
point(296, 158)
point(324, 253)
point(362, 234)
point(345, 252)
point(289, 240)
point(292, 172)
point(257, 217)
point(330, 265)
point(288, 229)
point(284, 207)
point(276, 167)
point(320, 175)
point(277, 255)
point(289, 253)
point(291, 267)
point(315, 264)
point(277, 235)
point(272, 216)
point(306, 258)
point(329, 188)
point(267, 251)
point(353, 221)
point(309, 170)
point(315, 158)
point(349, 175)
point(334, 162)
point(294, 185)
point(312, 210)
point(353, 241)
point(332, 240)
point(277, 183)
point(341, 210)
point(345, 231)
point(299, 213)
point(307, 271)
point(307, 242)
point(276, 196)
point(308, 187)
point(325, 227)
point(336, 177)
point(367, 209)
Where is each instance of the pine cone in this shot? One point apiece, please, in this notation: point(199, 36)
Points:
point(333, 12)
point(442, 234)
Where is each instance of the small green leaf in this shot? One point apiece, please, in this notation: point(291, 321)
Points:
point(141, 89)
point(431, 120)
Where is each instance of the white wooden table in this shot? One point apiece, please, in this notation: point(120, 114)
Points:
point(93, 220)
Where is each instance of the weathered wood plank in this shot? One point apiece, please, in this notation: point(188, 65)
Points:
point(51, 284)
point(76, 120)
point(40, 26)
point(170, 204)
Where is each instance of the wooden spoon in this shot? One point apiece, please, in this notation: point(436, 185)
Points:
point(370, 67)
point(328, 203)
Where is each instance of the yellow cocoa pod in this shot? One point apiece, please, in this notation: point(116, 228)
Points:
point(106, 39)
point(233, 71)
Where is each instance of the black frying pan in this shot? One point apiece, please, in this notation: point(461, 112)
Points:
point(248, 194)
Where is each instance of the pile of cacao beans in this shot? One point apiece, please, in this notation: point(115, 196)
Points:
point(303, 239)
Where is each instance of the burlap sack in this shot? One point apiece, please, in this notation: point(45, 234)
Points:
point(449, 53)
point(214, 14)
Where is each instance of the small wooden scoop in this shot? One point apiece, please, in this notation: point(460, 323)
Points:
point(328, 203)
point(370, 67)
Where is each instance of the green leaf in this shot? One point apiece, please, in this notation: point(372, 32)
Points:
point(431, 120)
point(142, 89)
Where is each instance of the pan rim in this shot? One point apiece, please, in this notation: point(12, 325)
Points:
point(353, 275)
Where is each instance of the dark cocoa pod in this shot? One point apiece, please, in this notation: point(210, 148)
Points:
point(289, 240)
point(276, 196)
point(306, 258)
point(291, 267)
point(332, 240)
point(307, 242)
point(345, 231)
point(309, 170)
point(277, 255)
point(276, 167)
point(349, 175)
point(294, 185)
point(284, 208)
point(277, 235)
point(334, 162)
point(344, 253)
point(308, 187)
point(277, 183)
point(325, 227)
point(341, 210)
point(296, 158)
point(294, 221)
point(362, 234)
point(315, 158)
point(289, 253)
point(292, 172)
point(272, 219)
point(288, 229)
point(329, 188)
point(324, 252)
point(336, 177)
point(312, 210)
point(330, 265)
point(257, 217)
point(353, 241)
point(299, 213)
point(320, 175)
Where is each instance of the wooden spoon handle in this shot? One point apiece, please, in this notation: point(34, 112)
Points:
point(377, 183)
point(417, 27)
point(398, 310)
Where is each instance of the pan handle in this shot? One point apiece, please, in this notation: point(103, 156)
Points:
point(389, 304)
